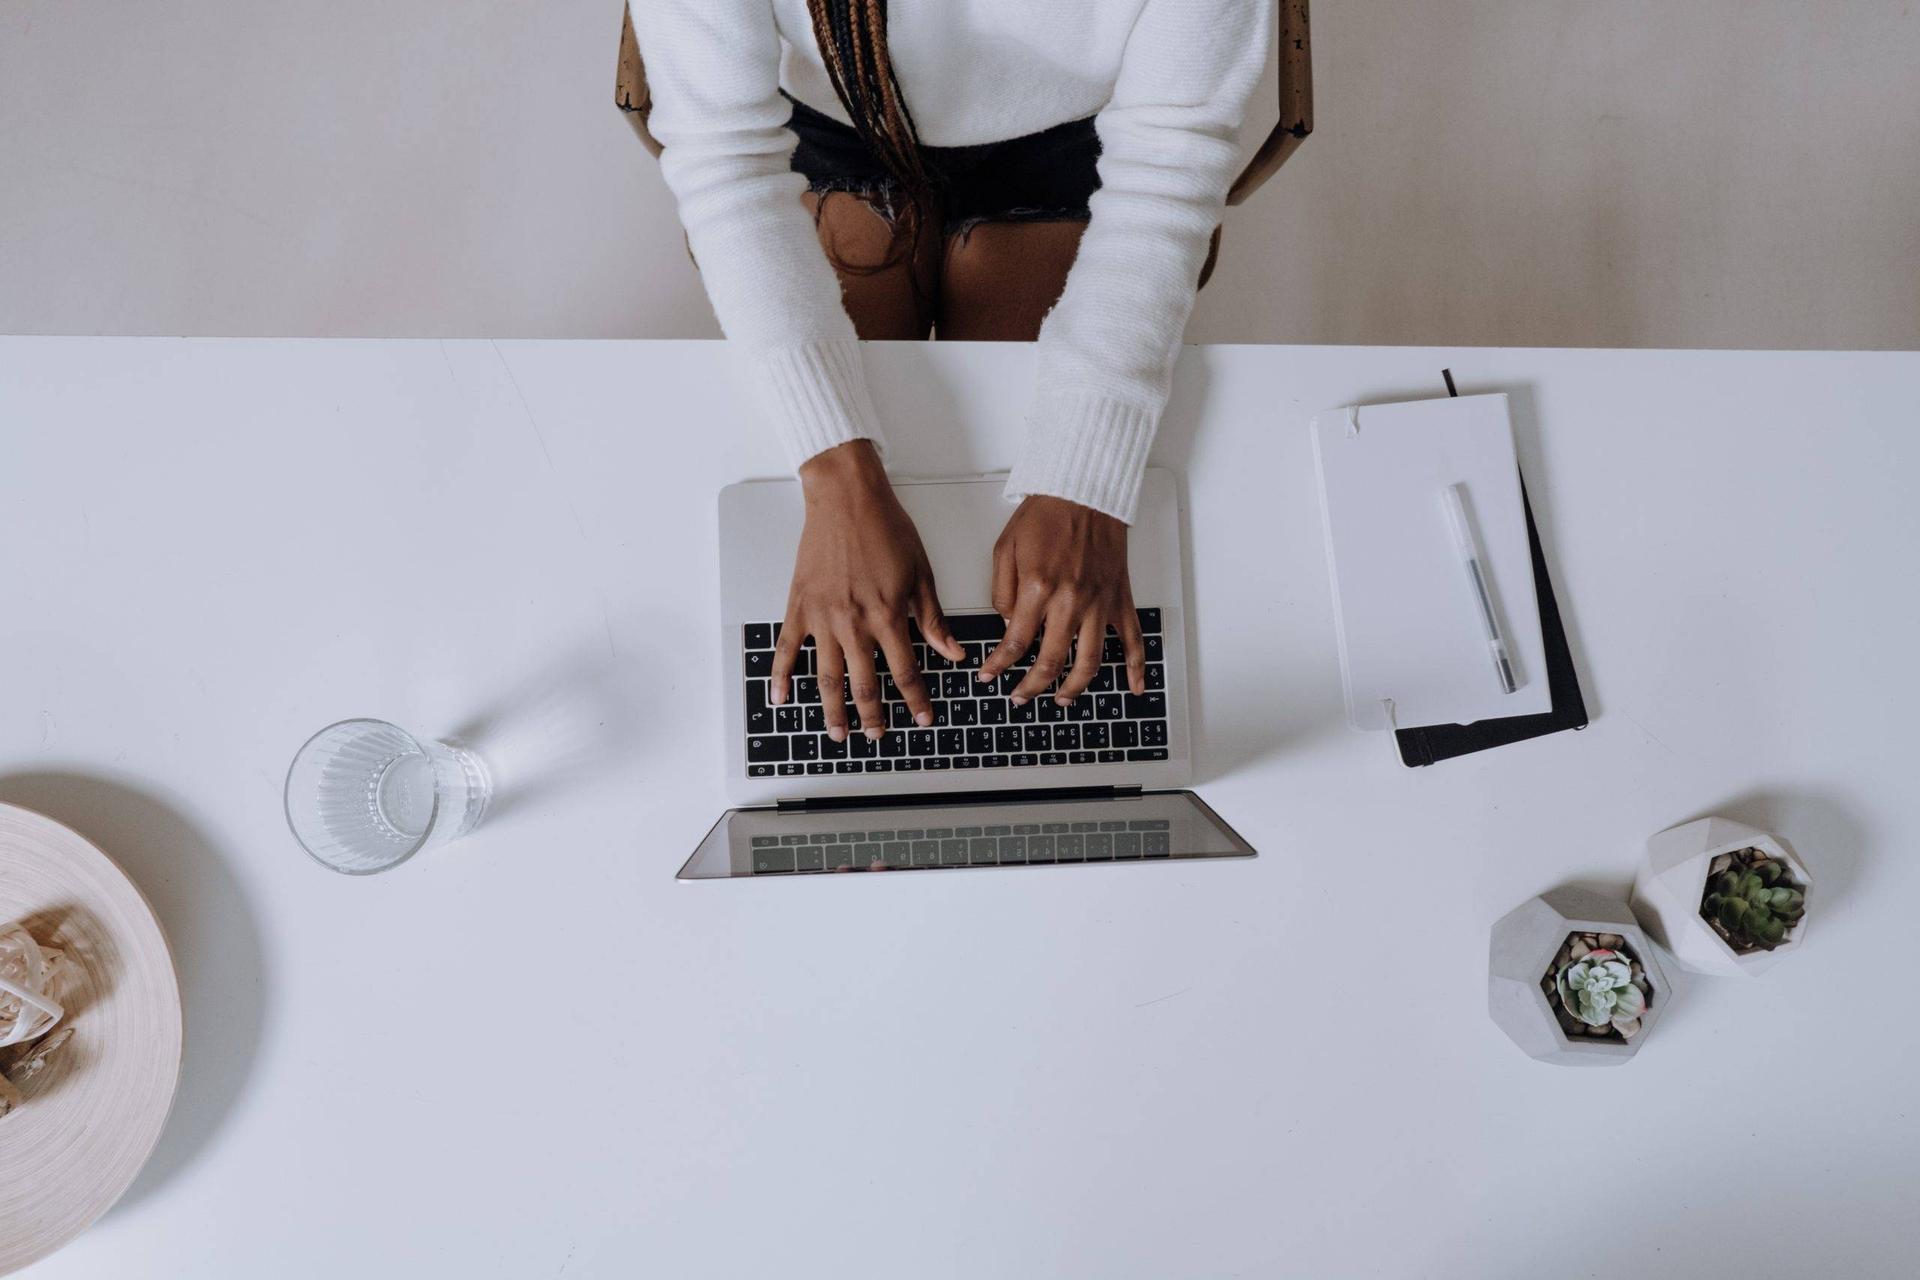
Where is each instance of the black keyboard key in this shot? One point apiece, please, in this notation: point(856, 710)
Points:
point(811, 858)
point(766, 749)
point(977, 626)
point(1012, 849)
point(1024, 761)
point(964, 711)
point(815, 720)
point(936, 661)
point(1070, 848)
point(1080, 710)
point(1051, 712)
point(789, 770)
point(1155, 844)
point(1112, 757)
point(1106, 680)
point(820, 766)
point(847, 766)
point(759, 771)
point(1023, 713)
point(1148, 753)
point(895, 745)
point(804, 746)
point(995, 762)
point(908, 765)
point(956, 684)
point(877, 766)
point(896, 853)
point(1038, 737)
point(920, 742)
point(1099, 848)
point(759, 664)
point(806, 689)
point(861, 747)
point(951, 742)
point(1146, 706)
point(953, 853)
point(769, 861)
point(1109, 706)
point(1040, 848)
point(1053, 757)
point(1079, 757)
point(1156, 675)
point(1156, 650)
point(964, 762)
point(899, 715)
point(865, 855)
point(1007, 739)
point(1126, 733)
point(831, 750)
point(759, 635)
point(1153, 733)
point(992, 710)
point(1149, 621)
point(764, 842)
point(934, 762)
point(1093, 736)
point(976, 654)
point(939, 713)
point(788, 720)
point(977, 742)
point(1066, 737)
point(1113, 650)
point(983, 851)
point(759, 722)
point(1126, 844)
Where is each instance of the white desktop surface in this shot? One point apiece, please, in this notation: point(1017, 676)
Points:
point(534, 1054)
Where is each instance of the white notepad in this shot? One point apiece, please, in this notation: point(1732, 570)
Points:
point(1413, 647)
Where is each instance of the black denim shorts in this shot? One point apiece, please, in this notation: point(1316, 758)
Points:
point(1042, 177)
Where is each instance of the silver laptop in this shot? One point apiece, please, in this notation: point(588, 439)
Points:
point(989, 784)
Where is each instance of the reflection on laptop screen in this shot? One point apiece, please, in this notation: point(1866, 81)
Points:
point(1155, 827)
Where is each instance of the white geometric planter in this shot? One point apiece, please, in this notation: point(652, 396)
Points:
point(1525, 941)
point(1667, 892)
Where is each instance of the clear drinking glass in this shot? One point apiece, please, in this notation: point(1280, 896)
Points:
point(364, 795)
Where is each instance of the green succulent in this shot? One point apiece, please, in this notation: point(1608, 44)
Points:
point(1754, 901)
point(1599, 990)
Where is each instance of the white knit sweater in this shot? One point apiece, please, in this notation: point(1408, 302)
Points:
point(1168, 82)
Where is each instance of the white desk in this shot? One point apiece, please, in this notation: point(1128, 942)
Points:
point(1273, 1067)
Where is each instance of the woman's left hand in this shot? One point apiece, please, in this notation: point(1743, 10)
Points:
point(1060, 573)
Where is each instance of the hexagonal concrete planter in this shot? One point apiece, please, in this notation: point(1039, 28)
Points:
point(1672, 878)
point(1526, 940)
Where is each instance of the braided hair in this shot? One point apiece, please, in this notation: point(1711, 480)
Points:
point(852, 35)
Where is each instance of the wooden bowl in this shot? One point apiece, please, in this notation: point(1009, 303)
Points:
point(91, 1119)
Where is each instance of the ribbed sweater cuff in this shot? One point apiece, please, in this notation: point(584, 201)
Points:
point(1087, 449)
point(816, 394)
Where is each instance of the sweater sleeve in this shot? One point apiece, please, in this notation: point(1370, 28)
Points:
point(713, 69)
point(1168, 152)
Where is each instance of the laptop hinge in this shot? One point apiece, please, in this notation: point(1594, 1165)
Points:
point(920, 799)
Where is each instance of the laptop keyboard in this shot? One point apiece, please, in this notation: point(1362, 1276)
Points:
point(974, 726)
point(1006, 844)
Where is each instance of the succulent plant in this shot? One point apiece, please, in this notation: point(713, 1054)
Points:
point(1599, 989)
point(1752, 900)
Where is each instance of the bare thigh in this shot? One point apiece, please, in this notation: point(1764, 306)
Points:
point(892, 301)
point(998, 280)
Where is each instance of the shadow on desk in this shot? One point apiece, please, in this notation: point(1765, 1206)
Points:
point(210, 929)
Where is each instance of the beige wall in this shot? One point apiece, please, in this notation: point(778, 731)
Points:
point(1711, 173)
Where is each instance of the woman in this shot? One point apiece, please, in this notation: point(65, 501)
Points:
point(1010, 169)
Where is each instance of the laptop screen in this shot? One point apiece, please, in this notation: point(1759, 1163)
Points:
point(1154, 827)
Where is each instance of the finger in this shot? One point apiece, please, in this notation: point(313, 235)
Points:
point(1006, 579)
point(933, 625)
point(1019, 638)
point(1052, 662)
point(833, 684)
point(786, 651)
point(1133, 645)
point(1086, 660)
point(906, 672)
point(863, 682)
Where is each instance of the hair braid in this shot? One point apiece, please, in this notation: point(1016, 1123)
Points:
point(852, 35)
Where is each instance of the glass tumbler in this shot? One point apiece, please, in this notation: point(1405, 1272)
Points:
point(364, 795)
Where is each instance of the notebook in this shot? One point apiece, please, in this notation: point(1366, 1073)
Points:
point(1430, 744)
point(1413, 645)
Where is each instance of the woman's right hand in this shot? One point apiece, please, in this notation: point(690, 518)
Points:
point(860, 574)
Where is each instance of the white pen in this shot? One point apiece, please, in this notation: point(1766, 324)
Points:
point(1452, 499)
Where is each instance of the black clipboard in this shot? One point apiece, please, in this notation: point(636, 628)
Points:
point(1433, 743)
